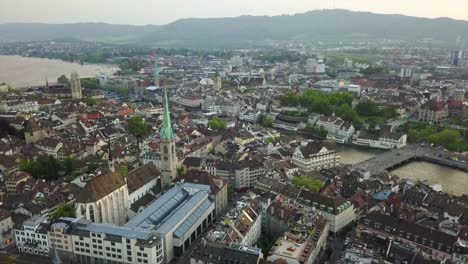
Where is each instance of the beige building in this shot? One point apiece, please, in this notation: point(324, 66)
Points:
point(14, 179)
point(6, 228)
point(32, 131)
point(433, 111)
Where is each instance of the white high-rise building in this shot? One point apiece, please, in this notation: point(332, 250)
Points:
point(313, 65)
point(406, 72)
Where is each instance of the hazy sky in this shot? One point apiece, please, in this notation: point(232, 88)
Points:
point(165, 11)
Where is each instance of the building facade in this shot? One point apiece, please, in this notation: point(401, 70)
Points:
point(104, 199)
point(316, 155)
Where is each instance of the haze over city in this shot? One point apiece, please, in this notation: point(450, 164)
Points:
point(240, 132)
point(162, 12)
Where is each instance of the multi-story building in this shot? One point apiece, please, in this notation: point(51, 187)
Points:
point(338, 211)
point(50, 146)
point(301, 248)
point(241, 174)
point(316, 155)
point(12, 180)
point(246, 229)
point(244, 137)
point(6, 228)
point(32, 238)
point(430, 242)
point(212, 253)
point(433, 111)
point(338, 129)
point(180, 216)
point(19, 106)
point(380, 140)
point(249, 116)
point(32, 131)
point(81, 241)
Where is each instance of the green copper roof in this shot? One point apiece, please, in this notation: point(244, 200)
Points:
point(166, 130)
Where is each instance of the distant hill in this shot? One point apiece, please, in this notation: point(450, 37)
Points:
point(83, 31)
point(327, 25)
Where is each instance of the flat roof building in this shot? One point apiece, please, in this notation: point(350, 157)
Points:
point(179, 216)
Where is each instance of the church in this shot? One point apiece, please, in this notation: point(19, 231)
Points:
point(108, 197)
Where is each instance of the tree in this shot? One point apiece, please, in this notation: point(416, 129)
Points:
point(267, 121)
point(308, 183)
point(367, 108)
point(89, 101)
point(68, 165)
point(63, 80)
point(90, 83)
point(137, 127)
point(217, 124)
point(65, 210)
point(330, 72)
point(122, 170)
point(347, 113)
point(315, 131)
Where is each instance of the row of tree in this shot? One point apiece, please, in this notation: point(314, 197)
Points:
point(47, 167)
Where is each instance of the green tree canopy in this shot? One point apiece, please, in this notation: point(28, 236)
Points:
point(89, 101)
point(137, 127)
point(217, 124)
point(63, 80)
point(367, 108)
point(308, 183)
point(65, 210)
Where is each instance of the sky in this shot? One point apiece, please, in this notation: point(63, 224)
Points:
point(141, 12)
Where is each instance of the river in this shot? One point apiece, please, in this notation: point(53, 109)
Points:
point(452, 180)
point(20, 71)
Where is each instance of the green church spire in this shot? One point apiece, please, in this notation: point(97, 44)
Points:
point(166, 130)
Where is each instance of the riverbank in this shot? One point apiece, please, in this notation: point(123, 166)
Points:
point(20, 71)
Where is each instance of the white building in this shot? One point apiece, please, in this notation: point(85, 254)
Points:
point(338, 129)
point(406, 72)
point(381, 140)
point(250, 116)
point(19, 106)
point(32, 237)
point(315, 155)
point(83, 242)
point(180, 216)
point(315, 66)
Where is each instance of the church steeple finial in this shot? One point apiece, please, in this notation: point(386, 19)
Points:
point(156, 70)
point(166, 130)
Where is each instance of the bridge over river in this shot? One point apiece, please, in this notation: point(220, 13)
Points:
point(395, 158)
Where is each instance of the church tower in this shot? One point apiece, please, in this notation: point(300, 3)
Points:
point(75, 86)
point(156, 72)
point(167, 148)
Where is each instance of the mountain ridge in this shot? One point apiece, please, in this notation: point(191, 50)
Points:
point(316, 25)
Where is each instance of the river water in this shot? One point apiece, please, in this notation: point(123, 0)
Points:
point(20, 71)
point(451, 180)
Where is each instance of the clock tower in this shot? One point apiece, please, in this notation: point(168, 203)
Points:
point(167, 148)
